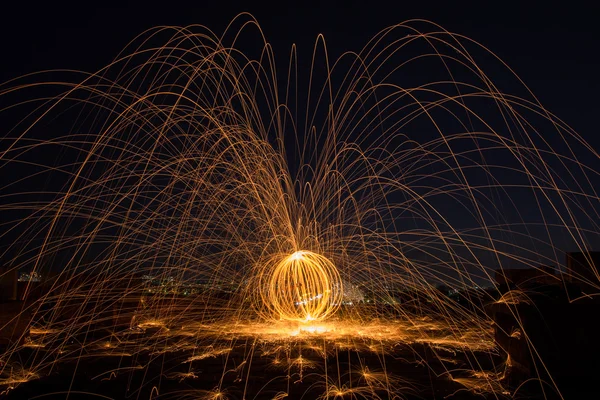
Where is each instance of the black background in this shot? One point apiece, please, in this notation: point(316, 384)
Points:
point(553, 49)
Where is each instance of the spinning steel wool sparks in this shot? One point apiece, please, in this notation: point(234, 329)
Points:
point(196, 215)
point(303, 286)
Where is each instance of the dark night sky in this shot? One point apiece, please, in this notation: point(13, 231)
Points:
point(553, 49)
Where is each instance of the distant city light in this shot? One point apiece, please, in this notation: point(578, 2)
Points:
point(30, 277)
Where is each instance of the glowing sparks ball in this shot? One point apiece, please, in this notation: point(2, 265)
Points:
point(303, 286)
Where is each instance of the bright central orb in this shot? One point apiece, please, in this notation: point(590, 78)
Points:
point(304, 286)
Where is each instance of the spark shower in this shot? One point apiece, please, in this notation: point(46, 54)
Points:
point(205, 210)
